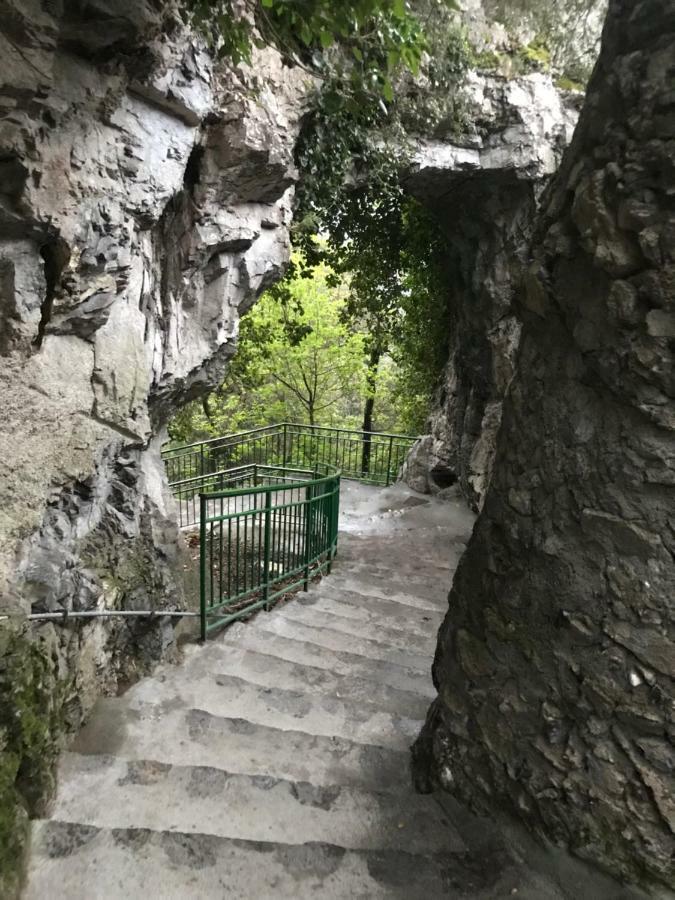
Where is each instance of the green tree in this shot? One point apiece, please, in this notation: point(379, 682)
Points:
point(298, 359)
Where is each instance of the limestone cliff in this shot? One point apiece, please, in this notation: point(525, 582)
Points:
point(554, 665)
point(145, 200)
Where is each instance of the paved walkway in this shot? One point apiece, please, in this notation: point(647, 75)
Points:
point(274, 761)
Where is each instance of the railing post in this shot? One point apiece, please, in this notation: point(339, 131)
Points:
point(309, 490)
point(283, 457)
point(202, 565)
point(330, 531)
point(391, 441)
point(268, 537)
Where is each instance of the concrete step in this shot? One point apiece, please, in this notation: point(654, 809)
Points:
point(348, 664)
point(219, 658)
point(235, 698)
point(89, 863)
point(373, 628)
point(352, 584)
point(186, 737)
point(114, 793)
point(390, 583)
point(389, 610)
point(341, 642)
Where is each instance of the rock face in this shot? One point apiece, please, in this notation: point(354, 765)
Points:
point(555, 663)
point(484, 193)
point(144, 202)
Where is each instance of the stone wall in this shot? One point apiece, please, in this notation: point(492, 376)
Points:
point(484, 193)
point(555, 663)
point(145, 200)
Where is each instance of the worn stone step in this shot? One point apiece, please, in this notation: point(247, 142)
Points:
point(348, 664)
point(219, 658)
point(414, 567)
point(373, 628)
point(389, 610)
point(113, 793)
point(371, 551)
point(339, 641)
point(389, 583)
point(367, 588)
point(232, 697)
point(89, 863)
point(196, 737)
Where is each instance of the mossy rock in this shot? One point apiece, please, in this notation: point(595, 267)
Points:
point(31, 728)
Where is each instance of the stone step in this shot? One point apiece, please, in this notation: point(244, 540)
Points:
point(364, 556)
point(402, 616)
point(367, 588)
point(113, 793)
point(89, 863)
point(193, 736)
point(234, 698)
point(348, 664)
point(373, 628)
point(339, 641)
point(218, 658)
point(387, 582)
point(419, 567)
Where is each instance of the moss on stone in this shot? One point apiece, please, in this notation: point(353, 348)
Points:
point(568, 84)
point(31, 700)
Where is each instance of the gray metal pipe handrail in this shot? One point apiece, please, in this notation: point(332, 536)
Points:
point(65, 614)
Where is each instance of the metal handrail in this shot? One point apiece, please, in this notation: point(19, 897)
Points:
point(370, 456)
point(251, 552)
point(278, 425)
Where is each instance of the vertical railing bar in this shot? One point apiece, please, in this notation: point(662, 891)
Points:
point(202, 566)
point(266, 560)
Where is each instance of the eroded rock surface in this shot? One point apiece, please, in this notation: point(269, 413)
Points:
point(145, 200)
point(555, 661)
point(484, 192)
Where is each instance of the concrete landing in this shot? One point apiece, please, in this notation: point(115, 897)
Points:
point(273, 762)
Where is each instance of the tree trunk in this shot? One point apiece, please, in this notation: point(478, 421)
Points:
point(555, 663)
point(369, 406)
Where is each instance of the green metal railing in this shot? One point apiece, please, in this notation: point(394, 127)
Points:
point(369, 456)
point(266, 502)
point(259, 541)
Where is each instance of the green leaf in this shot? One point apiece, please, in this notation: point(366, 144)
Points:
point(399, 8)
point(357, 53)
point(326, 39)
point(268, 4)
point(388, 91)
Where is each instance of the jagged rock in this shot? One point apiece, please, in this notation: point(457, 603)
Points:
point(484, 192)
point(562, 706)
point(145, 201)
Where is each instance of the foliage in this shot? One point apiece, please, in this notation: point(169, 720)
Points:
point(376, 35)
point(385, 68)
point(300, 357)
point(297, 361)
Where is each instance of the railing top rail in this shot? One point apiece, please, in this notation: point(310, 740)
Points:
point(359, 431)
point(269, 488)
point(222, 437)
point(181, 448)
point(238, 470)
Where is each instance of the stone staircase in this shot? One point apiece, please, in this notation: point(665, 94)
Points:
point(273, 762)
